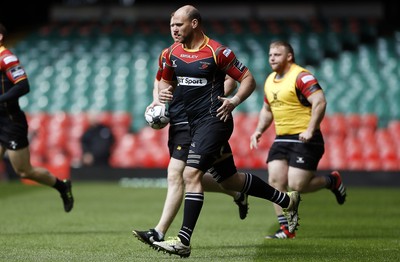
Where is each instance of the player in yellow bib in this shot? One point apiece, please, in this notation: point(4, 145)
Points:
point(296, 103)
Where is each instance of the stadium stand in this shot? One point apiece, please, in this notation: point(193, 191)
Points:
point(76, 67)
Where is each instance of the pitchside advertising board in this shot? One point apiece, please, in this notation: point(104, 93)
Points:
point(128, 176)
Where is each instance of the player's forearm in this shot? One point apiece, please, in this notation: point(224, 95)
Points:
point(165, 91)
point(246, 88)
point(229, 85)
point(317, 115)
point(18, 90)
point(265, 119)
point(163, 84)
point(155, 91)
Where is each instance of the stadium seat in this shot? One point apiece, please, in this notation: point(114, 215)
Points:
point(338, 125)
point(325, 125)
point(369, 121)
point(390, 165)
point(354, 149)
point(324, 163)
point(394, 129)
point(334, 144)
point(105, 117)
point(353, 123)
point(125, 153)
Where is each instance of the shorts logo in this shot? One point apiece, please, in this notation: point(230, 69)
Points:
point(300, 160)
point(178, 148)
point(13, 145)
point(191, 81)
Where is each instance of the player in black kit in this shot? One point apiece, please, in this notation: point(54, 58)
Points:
point(14, 127)
point(200, 65)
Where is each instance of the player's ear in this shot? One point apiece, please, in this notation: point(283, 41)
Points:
point(195, 23)
point(289, 57)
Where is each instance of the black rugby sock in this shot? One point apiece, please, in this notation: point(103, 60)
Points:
point(191, 212)
point(255, 186)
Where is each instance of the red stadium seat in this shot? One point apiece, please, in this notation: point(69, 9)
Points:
point(390, 165)
point(120, 124)
point(354, 153)
point(125, 151)
point(338, 125)
point(105, 118)
point(57, 137)
point(370, 121)
point(258, 160)
point(79, 121)
point(334, 144)
point(394, 130)
point(38, 120)
point(60, 119)
point(74, 150)
point(122, 119)
point(338, 162)
point(325, 125)
point(324, 163)
point(353, 123)
point(373, 164)
point(366, 135)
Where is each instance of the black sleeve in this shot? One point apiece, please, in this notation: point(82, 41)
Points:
point(18, 90)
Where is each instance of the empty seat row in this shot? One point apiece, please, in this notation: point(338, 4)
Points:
point(352, 141)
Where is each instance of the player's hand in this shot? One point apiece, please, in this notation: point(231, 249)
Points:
point(165, 95)
point(153, 104)
point(305, 136)
point(225, 110)
point(254, 139)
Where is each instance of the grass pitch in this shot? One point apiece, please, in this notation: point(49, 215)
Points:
point(34, 226)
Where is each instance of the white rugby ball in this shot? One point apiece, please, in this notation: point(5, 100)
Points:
point(157, 117)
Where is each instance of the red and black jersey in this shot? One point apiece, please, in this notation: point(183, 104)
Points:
point(201, 75)
point(161, 63)
point(11, 74)
point(176, 108)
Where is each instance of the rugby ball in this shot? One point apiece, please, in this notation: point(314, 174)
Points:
point(157, 117)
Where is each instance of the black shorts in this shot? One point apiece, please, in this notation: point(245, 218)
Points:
point(179, 141)
point(14, 131)
point(209, 143)
point(223, 169)
point(298, 154)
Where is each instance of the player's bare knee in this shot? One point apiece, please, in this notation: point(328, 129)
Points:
point(272, 181)
point(297, 186)
point(278, 184)
point(174, 179)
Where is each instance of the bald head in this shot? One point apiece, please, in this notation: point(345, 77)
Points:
point(186, 27)
point(189, 12)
